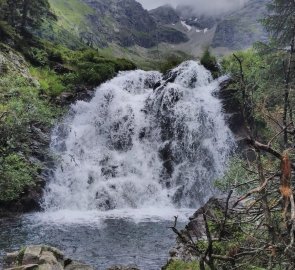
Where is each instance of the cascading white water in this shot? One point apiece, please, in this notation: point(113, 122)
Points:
point(144, 140)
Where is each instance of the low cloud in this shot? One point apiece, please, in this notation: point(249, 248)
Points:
point(210, 7)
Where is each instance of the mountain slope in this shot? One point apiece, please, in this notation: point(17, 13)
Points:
point(125, 28)
point(224, 33)
point(165, 15)
point(101, 22)
point(242, 28)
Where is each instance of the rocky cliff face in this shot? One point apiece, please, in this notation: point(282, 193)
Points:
point(165, 15)
point(242, 28)
point(224, 32)
point(124, 22)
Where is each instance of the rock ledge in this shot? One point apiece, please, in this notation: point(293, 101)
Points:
point(41, 258)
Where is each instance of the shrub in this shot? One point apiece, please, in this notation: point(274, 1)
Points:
point(170, 62)
point(210, 62)
point(16, 175)
point(36, 56)
point(50, 82)
point(181, 265)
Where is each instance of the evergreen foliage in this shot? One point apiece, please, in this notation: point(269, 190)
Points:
point(209, 61)
point(24, 14)
point(280, 21)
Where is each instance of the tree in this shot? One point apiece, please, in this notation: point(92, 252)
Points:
point(33, 12)
point(280, 23)
point(24, 15)
point(255, 229)
point(209, 61)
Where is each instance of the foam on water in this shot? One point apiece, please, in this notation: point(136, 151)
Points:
point(94, 218)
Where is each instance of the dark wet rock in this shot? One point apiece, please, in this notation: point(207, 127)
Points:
point(29, 201)
point(232, 107)
point(78, 266)
point(61, 69)
point(79, 92)
point(121, 267)
point(30, 198)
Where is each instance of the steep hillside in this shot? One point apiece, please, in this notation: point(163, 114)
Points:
point(165, 15)
point(101, 22)
point(242, 28)
point(224, 33)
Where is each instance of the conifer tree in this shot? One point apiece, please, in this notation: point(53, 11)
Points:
point(24, 15)
point(280, 23)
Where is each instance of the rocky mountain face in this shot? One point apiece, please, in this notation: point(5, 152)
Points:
point(165, 15)
point(240, 29)
point(124, 22)
point(201, 21)
point(224, 32)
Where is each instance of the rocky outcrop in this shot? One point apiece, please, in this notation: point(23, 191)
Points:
point(242, 28)
point(127, 23)
point(165, 15)
point(120, 267)
point(13, 62)
point(196, 230)
point(41, 258)
point(232, 107)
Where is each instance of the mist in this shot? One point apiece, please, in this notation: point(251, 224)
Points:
point(209, 7)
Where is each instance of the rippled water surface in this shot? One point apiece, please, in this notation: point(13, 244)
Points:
point(102, 241)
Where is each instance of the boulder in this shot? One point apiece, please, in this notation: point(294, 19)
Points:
point(78, 266)
point(41, 258)
point(31, 255)
point(196, 230)
point(11, 259)
point(121, 267)
point(25, 267)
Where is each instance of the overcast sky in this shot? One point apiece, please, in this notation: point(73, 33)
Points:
point(202, 6)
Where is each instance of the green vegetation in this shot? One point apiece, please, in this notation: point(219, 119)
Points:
point(28, 102)
point(21, 110)
point(23, 15)
point(254, 228)
point(72, 14)
point(34, 73)
point(180, 265)
point(210, 62)
point(20, 255)
point(170, 62)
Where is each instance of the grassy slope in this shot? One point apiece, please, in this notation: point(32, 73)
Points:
point(39, 74)
point(72, 15)
point(72, 21)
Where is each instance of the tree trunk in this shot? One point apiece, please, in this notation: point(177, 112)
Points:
point(287, 107)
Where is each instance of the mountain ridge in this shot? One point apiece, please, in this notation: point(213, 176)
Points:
point(125, 24)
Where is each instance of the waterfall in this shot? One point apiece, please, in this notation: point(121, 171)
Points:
point(145, 139)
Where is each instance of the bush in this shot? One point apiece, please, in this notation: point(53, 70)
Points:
point(170, 62)
point(210, 62)
point(50, 83)
point(181, 265)
point(20, 107)
point(16, 175)
point(37, 57)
